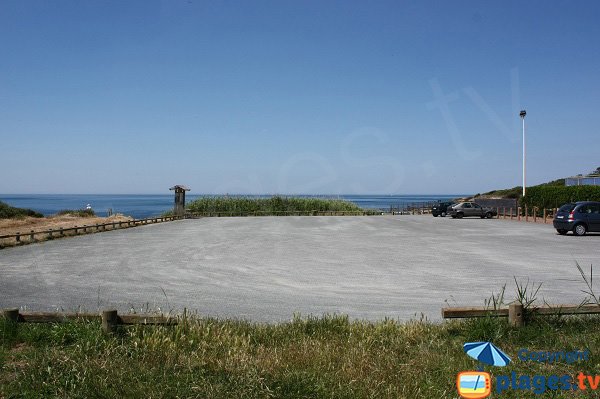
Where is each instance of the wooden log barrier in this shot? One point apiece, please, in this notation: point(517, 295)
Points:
point(109, 321)
point(11, 314)
point(515, 314)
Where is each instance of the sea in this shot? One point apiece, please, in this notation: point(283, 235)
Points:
point(141, 206)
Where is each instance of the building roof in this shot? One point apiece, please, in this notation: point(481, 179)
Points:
point(179, 186)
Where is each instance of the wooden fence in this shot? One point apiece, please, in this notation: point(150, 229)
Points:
point(412, 208)
point(21, 238)
point(528, 215)
point(516, 312)
point(110, 318)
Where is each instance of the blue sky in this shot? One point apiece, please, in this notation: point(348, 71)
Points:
point(295, 96)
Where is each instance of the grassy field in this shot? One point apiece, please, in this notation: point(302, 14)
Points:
point(327, 357)
point(270, 206)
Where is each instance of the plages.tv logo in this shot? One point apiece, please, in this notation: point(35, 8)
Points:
point(478, 384)
point(474, 384)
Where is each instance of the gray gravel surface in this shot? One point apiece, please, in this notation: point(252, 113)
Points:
point(268, 268)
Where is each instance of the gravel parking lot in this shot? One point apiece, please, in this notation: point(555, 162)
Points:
point(268, 268)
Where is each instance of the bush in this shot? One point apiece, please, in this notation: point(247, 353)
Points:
point(82, 213)
point(546, 196)
point(10, 212)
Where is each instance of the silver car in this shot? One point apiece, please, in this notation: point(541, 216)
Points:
point(466, 209)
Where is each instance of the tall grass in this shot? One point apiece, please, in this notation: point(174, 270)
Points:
point(314, 357)
point(270, 206)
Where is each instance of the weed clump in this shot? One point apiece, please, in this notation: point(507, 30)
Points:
point(82, 213)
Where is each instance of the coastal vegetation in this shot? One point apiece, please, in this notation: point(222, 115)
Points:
point(516, 192)
point(276, 205)
point(81, 213)
point(310, 357)
point(547, 195)
point(10, 212)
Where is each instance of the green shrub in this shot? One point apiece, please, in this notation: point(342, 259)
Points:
point(10, 212)
point(547, 196)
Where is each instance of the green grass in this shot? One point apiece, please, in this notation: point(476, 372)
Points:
point(83, 213)
point(326, 357)
point(276, 205)
point(10, 212)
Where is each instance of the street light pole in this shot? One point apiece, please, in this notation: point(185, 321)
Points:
point(522, 115)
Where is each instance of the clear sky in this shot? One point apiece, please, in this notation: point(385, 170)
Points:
point(295, 96)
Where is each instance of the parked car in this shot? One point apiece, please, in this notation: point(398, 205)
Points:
point(440, 209)
point(578, 217)
point(470, 209)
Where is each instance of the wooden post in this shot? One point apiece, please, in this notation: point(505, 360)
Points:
point(49, 234)
point(511, 213)
point(535, 208)
point(11, 314)
point(85, 228)
point(504, 213)
point(31, 235)
point(18, 237)
point(75, 227)
point(62, 233)
point(519, 213)
point(515, 314)
point(545, 215)
point(110, 320)
point(526, 214)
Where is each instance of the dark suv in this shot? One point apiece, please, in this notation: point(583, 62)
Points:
point(440, 209)
point(579, 218)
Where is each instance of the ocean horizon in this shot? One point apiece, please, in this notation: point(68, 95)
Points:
point(150, 205)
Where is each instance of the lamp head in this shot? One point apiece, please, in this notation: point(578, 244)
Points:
point(522, 114)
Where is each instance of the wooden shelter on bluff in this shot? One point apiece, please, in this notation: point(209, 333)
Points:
point(179, 208)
